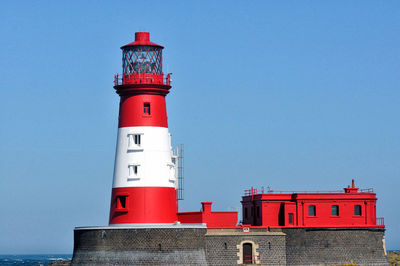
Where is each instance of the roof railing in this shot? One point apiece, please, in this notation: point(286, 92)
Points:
point(304, 191)
point(253, 191)
point(141, 79)
point(366, 190)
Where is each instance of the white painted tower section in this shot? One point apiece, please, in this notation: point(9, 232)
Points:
point(144, 158)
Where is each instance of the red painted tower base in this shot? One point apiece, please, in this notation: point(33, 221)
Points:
point(151, 205)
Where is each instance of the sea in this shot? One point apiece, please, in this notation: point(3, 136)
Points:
point(32, 260)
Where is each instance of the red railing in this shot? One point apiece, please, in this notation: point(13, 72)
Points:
point(142, 79)
point(380, 221)
point(254, 191)
point(304, 191)
point(366, 190)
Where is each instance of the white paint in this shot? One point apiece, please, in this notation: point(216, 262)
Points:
point(153, 158)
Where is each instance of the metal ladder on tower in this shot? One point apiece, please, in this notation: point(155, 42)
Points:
point(179, 151)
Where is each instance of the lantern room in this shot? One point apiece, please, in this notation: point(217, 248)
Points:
point(142, 61)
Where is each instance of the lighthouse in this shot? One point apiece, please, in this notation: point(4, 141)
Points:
point(144, 183)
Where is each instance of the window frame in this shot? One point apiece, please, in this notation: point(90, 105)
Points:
point(360, 210)
point(135, 141)
point(133, 171)
point(147, 108)
point(290, 218)
point(314, 214)
point(337, 212)
point(121, 203)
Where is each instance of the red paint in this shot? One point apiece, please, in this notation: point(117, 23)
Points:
point(143, 205)
point(141, 38)
point(142, 91)
point(273, 209)
point(212, 219)
point(153, 79)
point(142, 82)
point(131, 111)
point(246, 229)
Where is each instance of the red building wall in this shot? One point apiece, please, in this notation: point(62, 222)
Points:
point(276, 209)
point(211, 218)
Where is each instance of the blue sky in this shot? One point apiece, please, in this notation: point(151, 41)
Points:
point(287, 94)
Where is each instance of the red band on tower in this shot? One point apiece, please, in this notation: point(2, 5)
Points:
point(143, 110)
point(143, 205)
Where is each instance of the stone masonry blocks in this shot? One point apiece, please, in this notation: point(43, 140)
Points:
point(201, 246)
point(332, 246)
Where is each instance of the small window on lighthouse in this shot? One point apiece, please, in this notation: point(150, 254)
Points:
point(121, 202)
point(146, 108)
point(137, 139)
point(134, 141)
point(133, 170)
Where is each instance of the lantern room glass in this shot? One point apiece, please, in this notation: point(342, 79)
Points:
point(142, 59)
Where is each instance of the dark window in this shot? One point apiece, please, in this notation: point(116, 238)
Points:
point(146, 108)
point(290, 218)
point(133, 170)
point(258, 211)
point(312, 210)
point(121, 202)
point(137, 139)
point(245, 213)
point(357, 210)
point(252, 211)
point(247, 253)
point(335, 210)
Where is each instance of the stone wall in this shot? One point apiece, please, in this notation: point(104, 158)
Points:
point(201, 246)
point(223, 247)
point(333, 246)
point(149, 246)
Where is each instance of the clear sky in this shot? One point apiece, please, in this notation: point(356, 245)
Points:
point(295, 95)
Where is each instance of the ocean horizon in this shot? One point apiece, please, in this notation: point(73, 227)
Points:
point(32, 259)
point(46, 259)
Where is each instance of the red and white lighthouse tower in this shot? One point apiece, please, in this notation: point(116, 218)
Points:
point(144, 186)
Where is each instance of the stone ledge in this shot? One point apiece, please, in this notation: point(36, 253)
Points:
point(142, 226)
point(227, 232)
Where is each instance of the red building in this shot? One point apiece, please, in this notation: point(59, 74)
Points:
point(213, 219)
point(352, 207)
